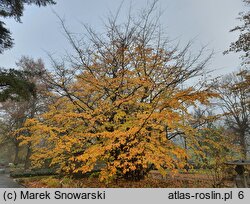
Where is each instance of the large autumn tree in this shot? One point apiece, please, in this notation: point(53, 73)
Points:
point(121, 102)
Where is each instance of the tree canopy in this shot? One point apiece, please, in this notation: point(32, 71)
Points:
point(119, 103)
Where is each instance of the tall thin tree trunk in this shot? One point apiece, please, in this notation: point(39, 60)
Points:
point(16, 158)
point(243, 144)
point(27, 158)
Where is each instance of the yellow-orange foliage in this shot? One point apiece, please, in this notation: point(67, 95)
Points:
point(123, 105)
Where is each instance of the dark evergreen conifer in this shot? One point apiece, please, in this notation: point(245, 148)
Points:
point(13, 84)
point(14, 8)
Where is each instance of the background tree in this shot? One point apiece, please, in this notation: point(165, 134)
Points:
point(218, 144)
point(6, 145)
point(12, 83)
point(236, 96)
point(234, 101)
point(15, 112)
point(243, 42)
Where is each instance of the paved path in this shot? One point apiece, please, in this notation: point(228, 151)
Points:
point(7, 182)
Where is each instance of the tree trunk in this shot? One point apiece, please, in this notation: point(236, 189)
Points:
point(243, 144)
point(16, 158)
point(27, 158)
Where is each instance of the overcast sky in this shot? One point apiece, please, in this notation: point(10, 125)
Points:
point(208, 21)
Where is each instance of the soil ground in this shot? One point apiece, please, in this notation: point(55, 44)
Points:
point(155, 180)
